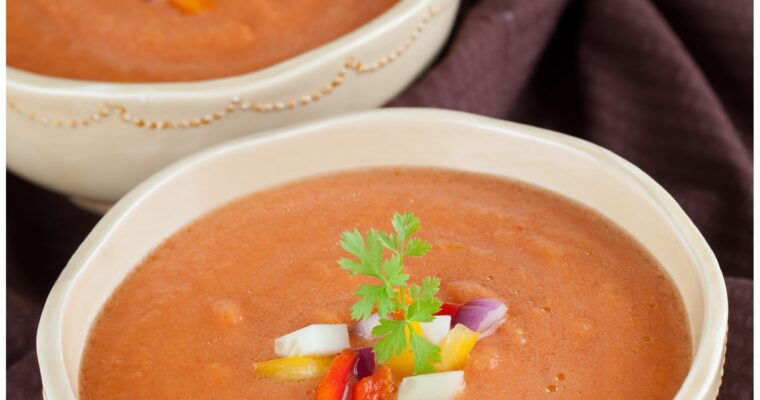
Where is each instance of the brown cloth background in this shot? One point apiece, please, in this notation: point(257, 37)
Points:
point(666, 84)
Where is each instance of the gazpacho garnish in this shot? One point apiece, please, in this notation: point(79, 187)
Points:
point(482, 315)
point(365, 365)
point(414, 333)
point(439, 386)
point(313, 340)
point(455, 348)
point(377, 386)
point(451, 310)
point(294, 368)
point(335, 384)
point(401, 306)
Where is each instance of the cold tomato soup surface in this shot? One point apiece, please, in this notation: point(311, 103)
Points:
point(591, 314)
point(157, 41)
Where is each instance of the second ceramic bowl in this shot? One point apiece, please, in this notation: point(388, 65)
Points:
point(95, 141)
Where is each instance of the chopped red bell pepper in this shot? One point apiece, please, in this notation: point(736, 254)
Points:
point(450, 309)
point(333, 385)
point(377, 386)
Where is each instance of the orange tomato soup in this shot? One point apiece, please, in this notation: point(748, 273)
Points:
point(155, 41)
point(591, 314)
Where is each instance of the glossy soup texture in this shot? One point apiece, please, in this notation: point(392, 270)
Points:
point(152, 41)
point(591, 314)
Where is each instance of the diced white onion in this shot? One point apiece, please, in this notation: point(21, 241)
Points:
point(364, 327)
point(313, 340)
point(437, 386)
point(436, 330)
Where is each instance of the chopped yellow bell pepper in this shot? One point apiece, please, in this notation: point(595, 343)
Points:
point(294, 368)
point(455, 348)
point(402, 365)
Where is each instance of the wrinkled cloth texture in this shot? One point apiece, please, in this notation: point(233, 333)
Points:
point(665, 84)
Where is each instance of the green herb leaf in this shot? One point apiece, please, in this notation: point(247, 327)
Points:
point(424, 304)
point(393, 340)
point(370, 255)
point(354, 267)
point(425, 354)
point(405, 224)
point(368, 297)
point(417, 247)
point(353, 242)
point(423, 310)
point(394, 272)
point(430, 286)
point(389, 241)
point(428, 289)
point(385, 304)
point(375, 251)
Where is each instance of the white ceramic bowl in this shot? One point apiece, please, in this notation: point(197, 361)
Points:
point(392, 137)
point(95, 140)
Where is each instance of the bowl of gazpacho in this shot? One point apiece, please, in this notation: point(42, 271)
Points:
point(103, 94)
point(417, 255)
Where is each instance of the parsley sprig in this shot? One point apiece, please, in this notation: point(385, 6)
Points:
point(398, 303)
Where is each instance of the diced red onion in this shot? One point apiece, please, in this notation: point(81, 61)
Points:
point(482, 315)
point(365, 364)
point(492, 329)
point(488, 303)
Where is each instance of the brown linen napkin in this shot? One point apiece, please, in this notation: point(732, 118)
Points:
point(665, 84)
